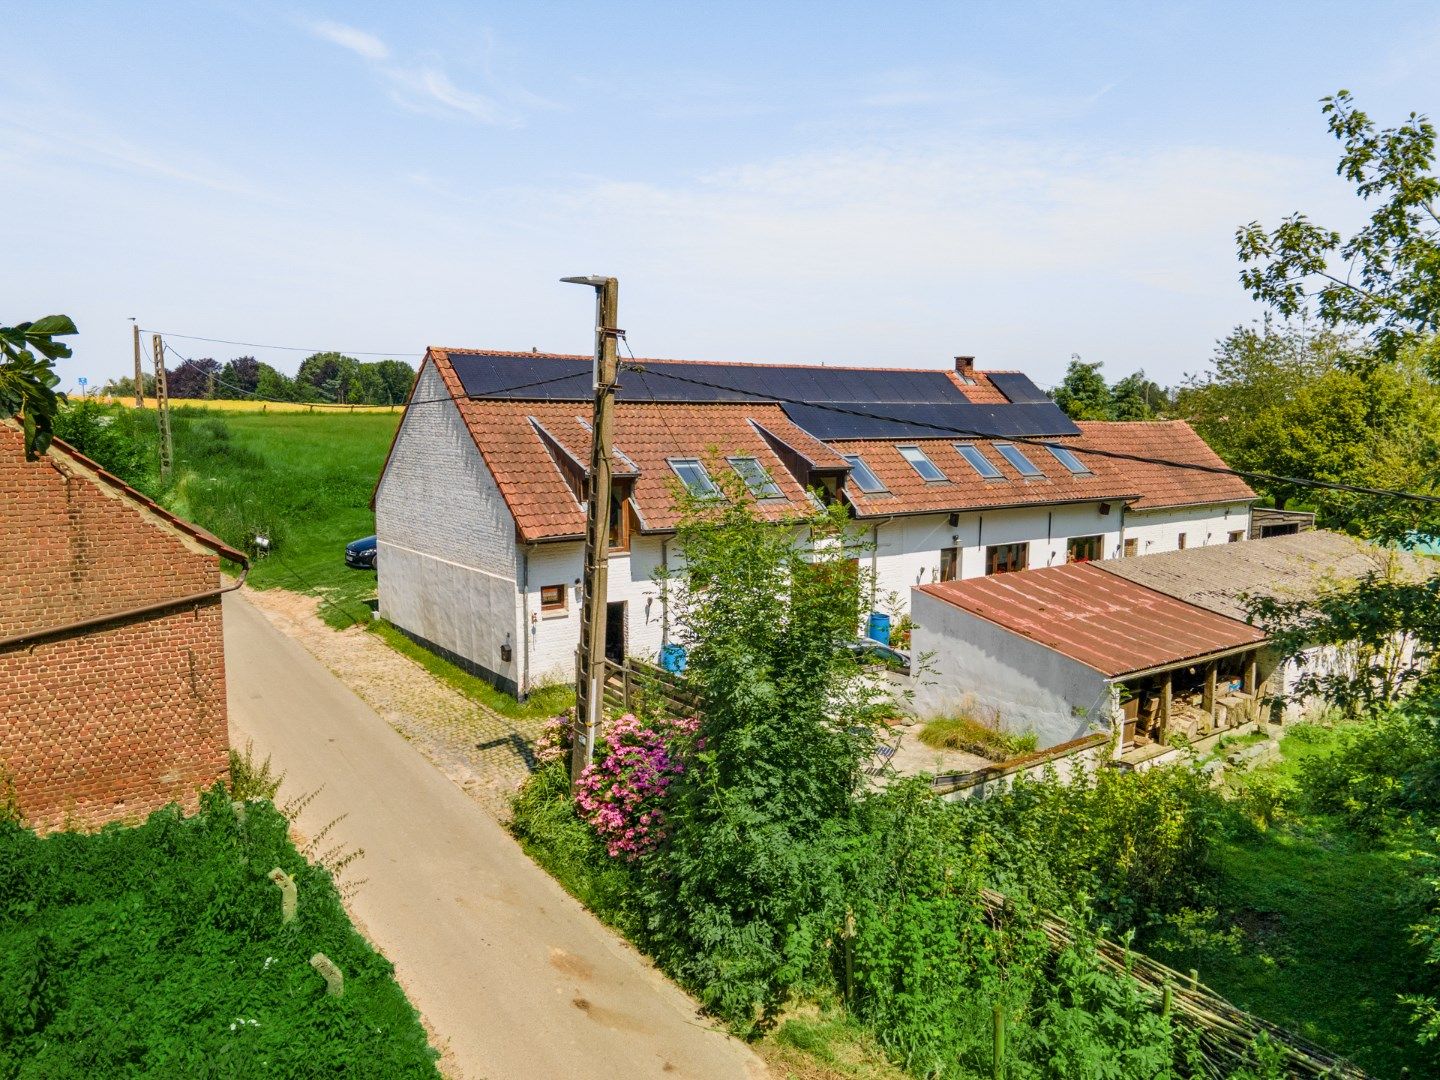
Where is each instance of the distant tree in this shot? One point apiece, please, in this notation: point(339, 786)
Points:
point(240, 375)
point(125, 386)
point(1083, 394)
point(272, 385)
point(1284, 401)
point(28, 381)
point(1385, 278)
point(396, 377)
point(1137, 398)
point(192, 378)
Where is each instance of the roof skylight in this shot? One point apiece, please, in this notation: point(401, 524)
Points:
point(1069, 460)
point(979, 461)
point(1023, 465)
point(693, 475)
point(760, 483)
point(923, 465)
point(864, 479)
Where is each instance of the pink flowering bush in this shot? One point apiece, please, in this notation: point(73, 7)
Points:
point(553, 743)
point(621, 793)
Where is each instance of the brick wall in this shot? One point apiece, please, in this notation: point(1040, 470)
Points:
point(111, 723)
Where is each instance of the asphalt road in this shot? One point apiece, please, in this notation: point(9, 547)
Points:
point(509, 971)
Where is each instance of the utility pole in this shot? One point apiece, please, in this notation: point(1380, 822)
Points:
point(162, 405)
point(590, 658)
point(139, 373)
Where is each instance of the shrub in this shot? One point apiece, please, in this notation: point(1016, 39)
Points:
point(159, 951)
point(112, 436)
point(1381, 773)
point(251, 779)
point(622, 793)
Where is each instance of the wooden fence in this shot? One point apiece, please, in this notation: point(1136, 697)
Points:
point(1228, 1037)
point(640, 687)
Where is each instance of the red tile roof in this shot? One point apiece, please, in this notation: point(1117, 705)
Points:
point(648, 433)
point(1102, 621)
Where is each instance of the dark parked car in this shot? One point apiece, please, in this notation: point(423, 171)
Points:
point(869, 651)
point(360, 554)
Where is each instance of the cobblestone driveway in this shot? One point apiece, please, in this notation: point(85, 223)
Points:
point(486, 754)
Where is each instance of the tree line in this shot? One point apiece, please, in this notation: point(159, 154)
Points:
point(322, 377)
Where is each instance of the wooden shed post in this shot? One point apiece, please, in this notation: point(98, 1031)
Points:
point(1209, 698)
point(1166, 690)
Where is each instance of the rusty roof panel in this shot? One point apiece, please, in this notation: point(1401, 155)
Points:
point(1100, 620)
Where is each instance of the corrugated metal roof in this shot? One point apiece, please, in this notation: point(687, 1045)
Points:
point(1219, 577)
point(1101, 620)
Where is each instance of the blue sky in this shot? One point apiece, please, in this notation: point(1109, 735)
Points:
point(849, 183)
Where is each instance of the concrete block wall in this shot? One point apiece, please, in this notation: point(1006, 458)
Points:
point(447, 557)
point(107, 724)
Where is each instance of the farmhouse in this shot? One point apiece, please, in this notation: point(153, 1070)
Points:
point(1145, 647)
point(480, 510)
point(112, 668)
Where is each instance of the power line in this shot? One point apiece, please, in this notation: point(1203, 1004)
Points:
point(284, 348)
point(338, 405)
point(1118, 455)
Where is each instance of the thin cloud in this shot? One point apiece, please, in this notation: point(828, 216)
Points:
point(427, 88)
point(348, 37)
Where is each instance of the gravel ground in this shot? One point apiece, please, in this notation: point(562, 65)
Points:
point(488, 755)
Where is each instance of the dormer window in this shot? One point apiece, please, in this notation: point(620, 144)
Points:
point(693, 475)
point(864, 479)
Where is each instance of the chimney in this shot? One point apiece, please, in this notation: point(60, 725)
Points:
point(965, 368)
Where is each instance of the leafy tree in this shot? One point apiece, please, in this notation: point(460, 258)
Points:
point(124, 386)
point(1384, 278)
point(1083, 394)
point(1137, 398)
point(27, 381)
point(273, 385)
point(1383, 630)
point(240, 375)
point(748, 887)
point(192, 378)
point(1287, 402)
point(396, 377)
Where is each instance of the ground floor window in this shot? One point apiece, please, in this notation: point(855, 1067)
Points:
point(1084, 549)
point(1184, 541)
point(1237, 535)
point(1132, 547)
point(552, 597)
point(1005, 558)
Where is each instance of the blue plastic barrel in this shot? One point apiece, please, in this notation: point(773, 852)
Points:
point(672, 658)
point(878, 627)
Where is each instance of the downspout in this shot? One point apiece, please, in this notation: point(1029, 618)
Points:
point(31, 636)
point(525, 629)
point(665, 592)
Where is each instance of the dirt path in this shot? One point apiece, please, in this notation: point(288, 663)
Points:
point(485, 753)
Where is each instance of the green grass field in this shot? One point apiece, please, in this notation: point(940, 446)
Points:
point(1325, 949)
point(303, 479)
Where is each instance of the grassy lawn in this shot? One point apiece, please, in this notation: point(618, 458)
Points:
point(546, 701)
point(160, 951)
point(1325, 947)
point(304, 479)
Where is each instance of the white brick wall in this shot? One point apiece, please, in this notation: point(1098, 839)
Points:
point(447, 555)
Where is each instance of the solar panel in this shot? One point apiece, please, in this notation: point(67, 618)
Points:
point(930, 421)
point(1018, 388)
point(524, 377)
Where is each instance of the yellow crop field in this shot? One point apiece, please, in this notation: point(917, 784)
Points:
point(254, 406)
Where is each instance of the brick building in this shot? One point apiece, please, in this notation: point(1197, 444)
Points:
point(112, 667)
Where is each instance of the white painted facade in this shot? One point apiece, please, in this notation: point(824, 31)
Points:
point(1003, 678)
point(454, 575)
